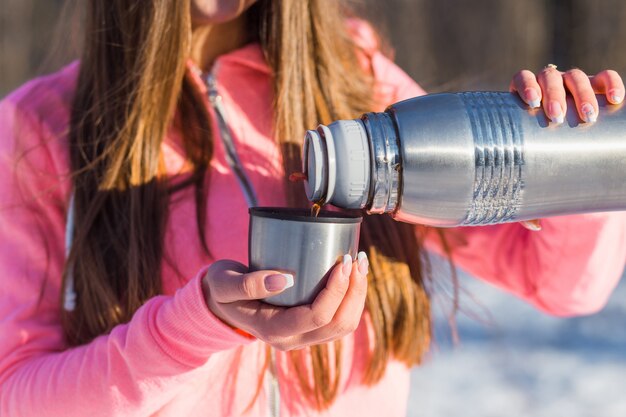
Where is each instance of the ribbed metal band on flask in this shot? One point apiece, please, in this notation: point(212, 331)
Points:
point(471, 158)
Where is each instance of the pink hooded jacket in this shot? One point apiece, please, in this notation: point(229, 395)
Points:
point(175, 358)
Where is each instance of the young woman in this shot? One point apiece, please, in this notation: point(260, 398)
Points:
point(123, 227)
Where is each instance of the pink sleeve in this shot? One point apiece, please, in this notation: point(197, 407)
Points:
point(133, 370)
point(570, 267)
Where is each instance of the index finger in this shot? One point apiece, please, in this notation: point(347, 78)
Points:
point(525, 84)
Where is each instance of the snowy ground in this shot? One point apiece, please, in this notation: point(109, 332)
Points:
point(514, 361)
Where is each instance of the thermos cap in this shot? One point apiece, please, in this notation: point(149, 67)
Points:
point(314, 166)
point(336, 161)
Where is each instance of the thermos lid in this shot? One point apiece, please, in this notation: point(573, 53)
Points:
point(336, 161)
point(315, 167)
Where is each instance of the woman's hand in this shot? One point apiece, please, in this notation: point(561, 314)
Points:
point(232, 294)
point(549, 87)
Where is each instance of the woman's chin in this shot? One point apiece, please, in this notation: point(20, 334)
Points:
point(217, 11)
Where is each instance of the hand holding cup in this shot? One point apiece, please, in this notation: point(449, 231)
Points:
point(234, 295)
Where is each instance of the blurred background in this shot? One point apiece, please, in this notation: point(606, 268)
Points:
point(443, 44)
point(511, 360)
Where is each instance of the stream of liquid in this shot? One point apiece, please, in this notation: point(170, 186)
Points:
point(317, 205)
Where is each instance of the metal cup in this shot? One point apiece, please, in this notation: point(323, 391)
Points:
point(295, 242)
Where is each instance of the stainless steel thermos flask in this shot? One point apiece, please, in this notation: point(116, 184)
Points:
point(471, 158)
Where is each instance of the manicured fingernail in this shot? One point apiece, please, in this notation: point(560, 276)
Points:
point(556, 112)
point(347, 265)
point(532, 98)
point(589, 112)
point(363, 262)
point(278, 282)
point(534, 225)
point(616, 96)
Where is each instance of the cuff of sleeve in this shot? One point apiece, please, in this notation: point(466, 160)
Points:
point(188, 331)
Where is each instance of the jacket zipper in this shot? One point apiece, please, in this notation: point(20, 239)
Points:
point(227, 140)
point(272, 388)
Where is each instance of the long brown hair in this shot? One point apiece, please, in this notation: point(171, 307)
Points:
point(132, 81)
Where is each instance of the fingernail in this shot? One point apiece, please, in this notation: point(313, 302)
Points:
point(347, 265)
point(362, 262)
point(534, 225)
point(616, 97)
point(589, 112)
point(556, 112)
point(532, 98)
point(278, 282)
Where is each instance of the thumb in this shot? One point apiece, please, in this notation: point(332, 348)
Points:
point(228, 284)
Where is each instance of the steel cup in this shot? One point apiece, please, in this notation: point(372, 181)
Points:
point(293, 241)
